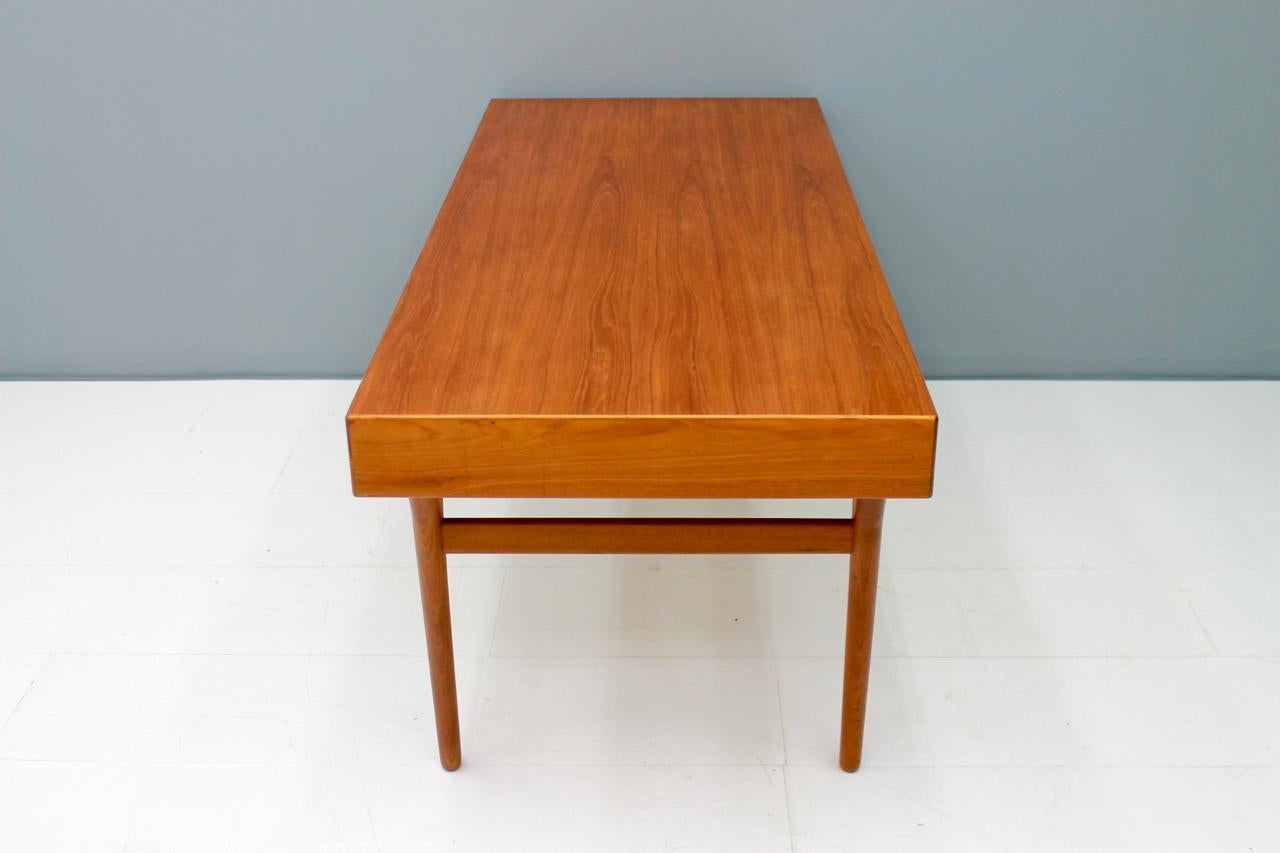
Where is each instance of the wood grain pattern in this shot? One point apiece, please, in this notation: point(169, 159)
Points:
point(673, 259)
point(648, 536)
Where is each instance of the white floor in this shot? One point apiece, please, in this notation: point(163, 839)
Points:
point(207, 644)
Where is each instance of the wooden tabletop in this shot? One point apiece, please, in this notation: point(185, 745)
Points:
point(656, 278)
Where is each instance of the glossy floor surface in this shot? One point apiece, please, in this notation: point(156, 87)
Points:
point(207, 644)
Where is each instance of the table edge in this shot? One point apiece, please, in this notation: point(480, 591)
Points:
point(661, 456)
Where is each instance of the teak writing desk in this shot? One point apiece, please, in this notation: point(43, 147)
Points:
point(647, 298)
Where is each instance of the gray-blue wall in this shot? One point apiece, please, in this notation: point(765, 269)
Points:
point(1056, 187)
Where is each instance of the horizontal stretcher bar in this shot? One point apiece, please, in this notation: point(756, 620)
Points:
point(648, 535)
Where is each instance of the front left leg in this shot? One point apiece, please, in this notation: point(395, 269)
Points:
point(433, 577)
point(864, 564)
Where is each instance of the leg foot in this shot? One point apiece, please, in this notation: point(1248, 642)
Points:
point(864, 565)
point(433, 577)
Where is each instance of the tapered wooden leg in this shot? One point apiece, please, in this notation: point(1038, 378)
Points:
point(433, 577)
point(864, 564)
